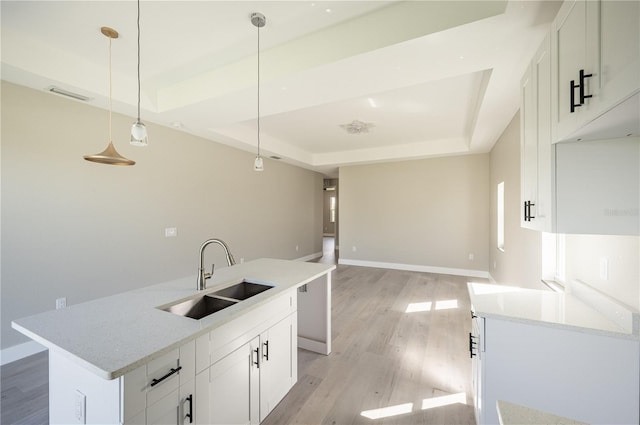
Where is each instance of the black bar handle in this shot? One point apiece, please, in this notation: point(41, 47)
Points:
point(155, 382)
point(265, 352)
point(471, 344)
point(583, 76)
point(257, 361)
point(531, 204)
point(190, 414)
point(473, 316)
point(526, 215)
point(572, 98)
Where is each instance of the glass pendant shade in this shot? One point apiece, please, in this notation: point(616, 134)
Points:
point(258, 164)
point(139, 134)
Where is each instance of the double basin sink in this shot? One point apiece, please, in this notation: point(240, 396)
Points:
point(209, 303)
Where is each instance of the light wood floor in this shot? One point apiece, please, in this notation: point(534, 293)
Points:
point(382, 357)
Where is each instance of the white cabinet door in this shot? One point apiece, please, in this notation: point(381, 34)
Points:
point(233, 387)
point(569, 44)
point(613, 51)
point(528, 149)
point(278, 365)
point(595, 45)
point(536, 155)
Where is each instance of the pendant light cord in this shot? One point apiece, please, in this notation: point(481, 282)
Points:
point(110, 101)
point(258, 90)
point(138, 60)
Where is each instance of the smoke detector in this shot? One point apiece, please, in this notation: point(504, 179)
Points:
point(357, 127)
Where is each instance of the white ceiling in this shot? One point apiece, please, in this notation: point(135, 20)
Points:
point(433, 77)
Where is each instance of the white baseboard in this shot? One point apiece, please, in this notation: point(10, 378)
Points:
point(415, 268)
point(20, 351)
point(309, 257)
point(313, 345)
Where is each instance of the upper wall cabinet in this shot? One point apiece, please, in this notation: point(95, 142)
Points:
point(536, 155)
point(595, 47)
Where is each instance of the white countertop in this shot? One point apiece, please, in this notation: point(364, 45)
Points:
point(514, 414)
point(543, 307)
point(113, 335)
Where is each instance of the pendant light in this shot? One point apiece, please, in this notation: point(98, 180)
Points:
point(258, 20)
point(138, 129)
point(109, 155)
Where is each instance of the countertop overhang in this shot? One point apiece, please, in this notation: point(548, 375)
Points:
point(113, 335)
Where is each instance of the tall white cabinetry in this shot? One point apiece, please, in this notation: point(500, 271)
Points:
point(583, 86)
point(535, 142)
point(596, 62)
point(589, 377)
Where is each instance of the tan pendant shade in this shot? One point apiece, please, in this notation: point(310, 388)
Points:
point(110, 155)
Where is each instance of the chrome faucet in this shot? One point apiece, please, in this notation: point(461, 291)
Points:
point(202, 276)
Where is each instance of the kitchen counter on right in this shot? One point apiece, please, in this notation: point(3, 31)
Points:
point(575, 354)
point(579, 308)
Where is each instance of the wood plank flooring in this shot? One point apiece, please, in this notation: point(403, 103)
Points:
point(382, 357)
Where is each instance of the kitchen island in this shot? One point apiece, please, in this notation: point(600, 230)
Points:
point(123, 359)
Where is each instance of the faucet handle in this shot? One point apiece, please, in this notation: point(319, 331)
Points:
point(208, 275)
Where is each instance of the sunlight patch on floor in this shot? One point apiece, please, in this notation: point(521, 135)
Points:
point(427, 305)
point(385, 412)
point(403, 409)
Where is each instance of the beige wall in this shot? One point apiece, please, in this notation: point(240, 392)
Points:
point(431, 212)
point(75, 229)
point(520, 264)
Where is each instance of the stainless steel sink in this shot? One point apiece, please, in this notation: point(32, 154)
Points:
point(207, 304)
point(199, 307)
point(242, 291)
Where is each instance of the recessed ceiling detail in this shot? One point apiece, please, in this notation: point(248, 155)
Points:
point(408, 79)
point(357, 127)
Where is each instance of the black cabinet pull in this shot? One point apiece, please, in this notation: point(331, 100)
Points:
point(472, 343)
point(155, 382)
point(572, 101)
point(573, 86)
point(527, 210)
point(473, 316)
point(583, 76)
point(257, 361)
point(265, 352)
point(190, 414)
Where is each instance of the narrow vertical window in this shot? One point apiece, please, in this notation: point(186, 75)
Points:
point(500, 214)
point(332, 210)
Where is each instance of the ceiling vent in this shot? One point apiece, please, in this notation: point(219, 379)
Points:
point(357, 127)
point(62, 92)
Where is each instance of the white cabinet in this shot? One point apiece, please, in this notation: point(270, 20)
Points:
point(536, 154)
point(595, 47)
point(539, 366)
point(278, 363)
point(246, 384)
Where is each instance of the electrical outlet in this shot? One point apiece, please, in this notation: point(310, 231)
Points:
point(471, 257)
point(170, 232)
point(297, 248)
point(353, 248)
point(81, 407)
point(61, 303)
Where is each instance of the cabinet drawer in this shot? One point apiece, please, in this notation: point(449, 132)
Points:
point(160, 380)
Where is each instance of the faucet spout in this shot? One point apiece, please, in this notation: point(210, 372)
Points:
point(202, 276)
